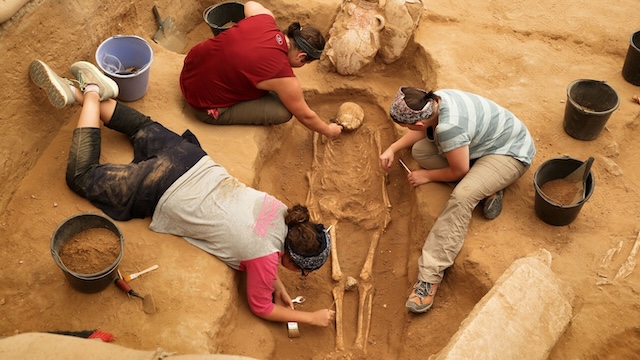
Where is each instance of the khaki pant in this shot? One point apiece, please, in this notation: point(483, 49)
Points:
point(268, 110)
point(488, 175)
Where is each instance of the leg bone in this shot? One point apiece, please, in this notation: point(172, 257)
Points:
point(364, 314)
point(367, 317)
point(338, 296)
point(336, 273)
point(365, 274)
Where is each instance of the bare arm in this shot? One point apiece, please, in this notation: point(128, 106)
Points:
point(458, 167)
point(320, 317)
point(290, 93)
point(252, 8)
point(283, 310)
point(281, 296)
point(407, 140)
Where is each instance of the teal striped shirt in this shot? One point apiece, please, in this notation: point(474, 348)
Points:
point(488, 128)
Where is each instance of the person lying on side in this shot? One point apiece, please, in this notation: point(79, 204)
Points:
point(186, 193)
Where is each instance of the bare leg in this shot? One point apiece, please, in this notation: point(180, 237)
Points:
point(107, 108)
point(90, 114)
point(93, 110)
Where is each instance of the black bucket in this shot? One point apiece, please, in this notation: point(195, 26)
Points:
point(87, 283)
point(589, 106)
point(631, 67)
point(546, 209)
point(219, 16)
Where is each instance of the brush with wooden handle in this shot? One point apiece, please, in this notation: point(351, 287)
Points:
point(135, 275)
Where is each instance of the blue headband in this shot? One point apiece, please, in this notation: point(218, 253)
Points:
point(306, 47)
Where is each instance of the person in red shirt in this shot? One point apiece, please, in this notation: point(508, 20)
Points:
point(244, 75)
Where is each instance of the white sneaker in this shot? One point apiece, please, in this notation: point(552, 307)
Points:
point(58, 89)
point(87, 73)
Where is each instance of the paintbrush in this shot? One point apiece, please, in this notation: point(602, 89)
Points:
point(292, 329)
point(135, 275)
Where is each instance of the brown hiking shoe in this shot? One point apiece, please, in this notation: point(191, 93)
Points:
point(421, 299)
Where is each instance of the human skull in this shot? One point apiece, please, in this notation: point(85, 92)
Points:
point(350, 116)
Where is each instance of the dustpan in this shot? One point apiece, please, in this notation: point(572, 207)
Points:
point(579, 177)
point(168, 35)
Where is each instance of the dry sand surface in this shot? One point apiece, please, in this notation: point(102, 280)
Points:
point(521, 54)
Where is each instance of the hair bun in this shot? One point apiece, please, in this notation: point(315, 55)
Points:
point(298, 214)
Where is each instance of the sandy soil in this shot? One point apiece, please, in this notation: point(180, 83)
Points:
point(522, 54)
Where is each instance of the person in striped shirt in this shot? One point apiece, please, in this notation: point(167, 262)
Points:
point(463, 138)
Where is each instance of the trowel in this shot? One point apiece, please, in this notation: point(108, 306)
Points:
point(579, 177)
point(168, 35)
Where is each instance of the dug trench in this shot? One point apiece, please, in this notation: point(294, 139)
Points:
point(341, 182)
point(497, 51)
point(377, 222)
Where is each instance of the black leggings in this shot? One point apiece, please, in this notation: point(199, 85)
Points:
point(125, 191)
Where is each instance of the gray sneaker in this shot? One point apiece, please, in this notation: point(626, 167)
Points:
point(493, 205)
point(87, 73)
point(58, 89)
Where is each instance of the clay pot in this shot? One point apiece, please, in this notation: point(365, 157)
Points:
point(402, 18)
point(355, 36)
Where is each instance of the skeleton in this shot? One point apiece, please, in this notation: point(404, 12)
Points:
point(336, 195)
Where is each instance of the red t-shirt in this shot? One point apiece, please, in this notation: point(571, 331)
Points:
point(224, 70)
point(261, 277)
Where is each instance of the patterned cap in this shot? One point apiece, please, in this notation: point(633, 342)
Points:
point(403, 114)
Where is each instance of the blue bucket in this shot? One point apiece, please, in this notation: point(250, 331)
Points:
point(126, 59)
